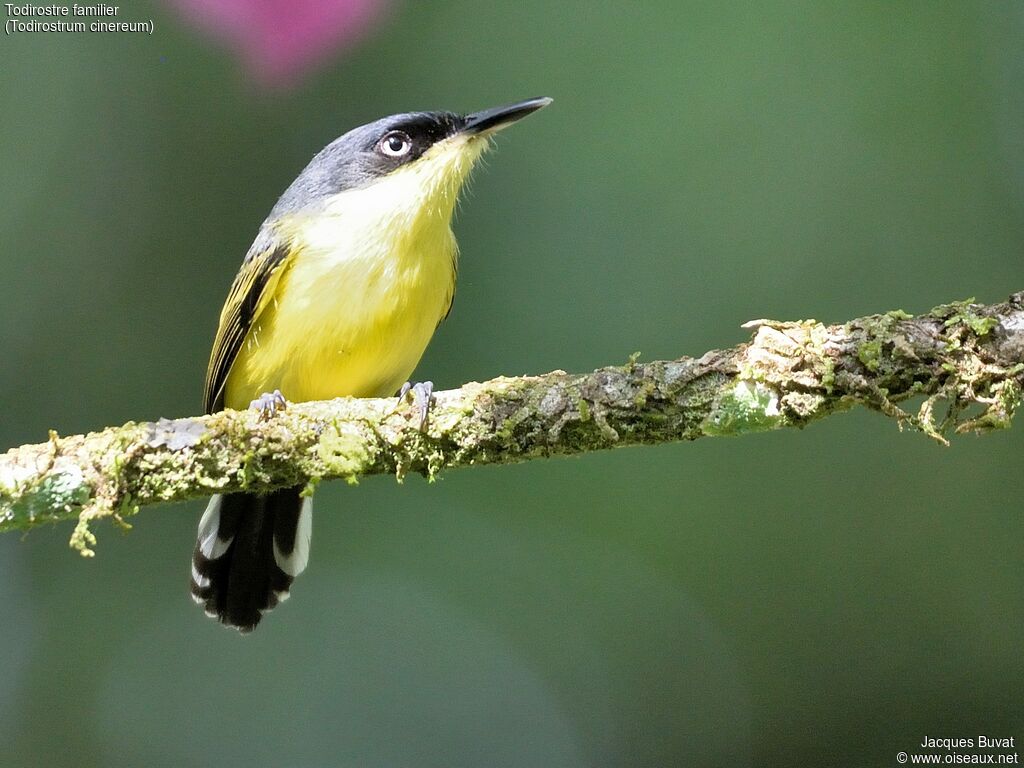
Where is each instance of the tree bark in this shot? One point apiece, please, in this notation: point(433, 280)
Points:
point(965, 361)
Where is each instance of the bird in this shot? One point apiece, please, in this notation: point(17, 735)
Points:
point(339, 294)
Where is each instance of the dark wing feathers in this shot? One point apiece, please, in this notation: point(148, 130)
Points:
point(243, 305)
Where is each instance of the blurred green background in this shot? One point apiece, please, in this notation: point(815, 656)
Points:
point(826, 597)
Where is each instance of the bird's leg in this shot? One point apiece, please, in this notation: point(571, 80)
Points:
point(422, 392)
point(268, 404)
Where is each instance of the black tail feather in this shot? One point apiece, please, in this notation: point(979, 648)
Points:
point(249, 550)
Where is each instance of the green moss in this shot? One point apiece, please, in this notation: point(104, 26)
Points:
point(748, 406)
point(507, 429)
point(962, 313)
point(1009, 398)
point(870, 353)
point(644, 393)
point(435, 461)
point(583, 408)
point(899, 314)
point(82, 539)
point(981, 325)
point(58, 494)
point(998, 414)
point(248, 471)
point(343, 454)
point(828, 374)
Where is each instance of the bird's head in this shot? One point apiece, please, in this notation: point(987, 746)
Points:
point(401, 166)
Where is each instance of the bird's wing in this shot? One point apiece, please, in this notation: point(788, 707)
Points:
point(252, 289)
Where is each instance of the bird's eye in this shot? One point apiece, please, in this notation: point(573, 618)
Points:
point(395, 144)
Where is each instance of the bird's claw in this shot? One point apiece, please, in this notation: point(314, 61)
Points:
point(422, 393)
point(268, 404)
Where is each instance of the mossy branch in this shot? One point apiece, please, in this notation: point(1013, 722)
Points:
point(965, 359)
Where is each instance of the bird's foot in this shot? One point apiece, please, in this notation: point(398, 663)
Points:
point(268, 404)
point(422, 394)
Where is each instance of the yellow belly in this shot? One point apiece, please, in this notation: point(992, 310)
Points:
point(347, 318)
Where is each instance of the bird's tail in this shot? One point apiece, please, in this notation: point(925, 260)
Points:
point(249, 550)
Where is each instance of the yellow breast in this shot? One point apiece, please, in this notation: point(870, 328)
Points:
point(371, 274)
point(355, 306)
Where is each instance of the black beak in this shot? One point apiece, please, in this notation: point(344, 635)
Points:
point(491, 120)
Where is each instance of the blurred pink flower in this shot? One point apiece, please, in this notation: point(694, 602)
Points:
point(281, 40)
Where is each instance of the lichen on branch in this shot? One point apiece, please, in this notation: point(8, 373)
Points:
point(965, 359)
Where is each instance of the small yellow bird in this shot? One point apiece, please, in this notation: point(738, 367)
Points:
point(340, 293)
